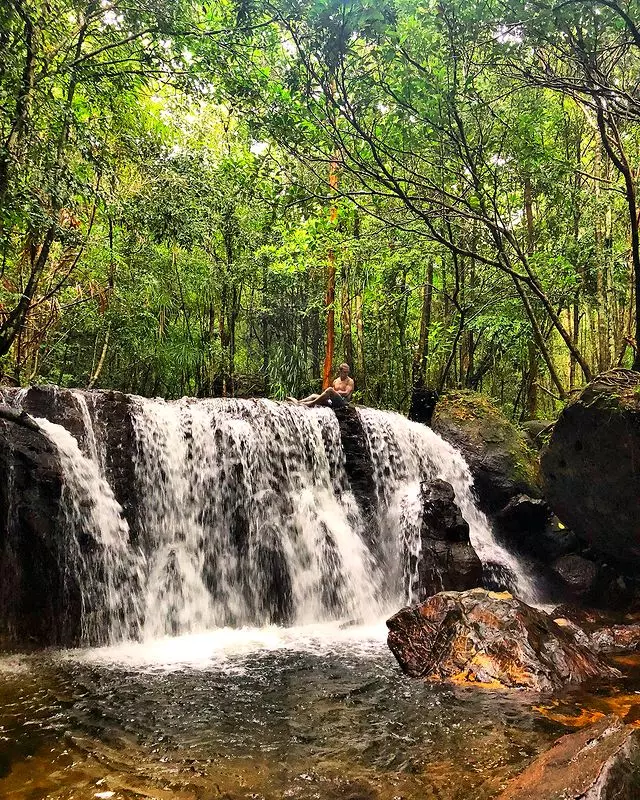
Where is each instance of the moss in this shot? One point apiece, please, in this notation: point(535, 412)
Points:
point(484, 423)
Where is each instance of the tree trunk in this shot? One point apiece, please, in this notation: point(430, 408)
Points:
point(330, 295)
point(347, 339)
point(421, 357)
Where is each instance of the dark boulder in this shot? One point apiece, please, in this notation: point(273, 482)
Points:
point(578, 574)
point(590, 581)
point(358, 465)
point(57, 405)
point(447, 560)
point(591, 467)
point(523, 513)
point(502, 463)
point(423, 403)
point(480, 637)
point(39, 600)
point(601, 762)
point(527, 526)
point(92, 416)
point(113, 423)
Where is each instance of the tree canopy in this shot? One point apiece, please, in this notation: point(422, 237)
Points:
point(231, 198)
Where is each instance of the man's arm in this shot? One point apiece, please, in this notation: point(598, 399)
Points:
point(344, 392)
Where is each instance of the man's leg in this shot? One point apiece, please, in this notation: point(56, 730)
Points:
point(323, 399)
point(306, 401)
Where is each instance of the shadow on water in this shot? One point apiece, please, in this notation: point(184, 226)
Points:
point(285, 719)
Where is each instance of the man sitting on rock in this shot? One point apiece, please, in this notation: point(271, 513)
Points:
point(336, 396)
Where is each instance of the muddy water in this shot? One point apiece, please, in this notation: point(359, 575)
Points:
point(311, 713)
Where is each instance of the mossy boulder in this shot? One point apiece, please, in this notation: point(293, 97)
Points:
point(591, 467)
point(502, 463)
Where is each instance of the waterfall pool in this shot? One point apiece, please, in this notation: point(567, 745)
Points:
point(315, 712)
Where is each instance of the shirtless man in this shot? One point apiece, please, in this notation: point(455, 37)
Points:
point(336, 396)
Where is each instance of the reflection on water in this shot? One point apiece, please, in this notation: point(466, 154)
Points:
point(309, 713)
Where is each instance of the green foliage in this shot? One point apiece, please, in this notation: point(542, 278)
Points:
point(167, 217)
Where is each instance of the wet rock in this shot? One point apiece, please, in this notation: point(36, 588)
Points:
point(578, 574)
point(591, 469)
point(502, 463)
point(616, 638)
point(523, 513)
point(39, 601)
point(110, 422)
point(57, 405)
point(601, 762)
point(358, 464)
point(526, 526)
point(557, 540)
point(447, 559)
point(481, 637)
point(605, 634)
point(111, 413)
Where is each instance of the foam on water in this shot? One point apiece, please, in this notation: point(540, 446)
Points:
point(229, 648)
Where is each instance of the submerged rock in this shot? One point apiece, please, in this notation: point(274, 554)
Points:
point(601, 762)
point(591, 467)
point(493, 639)
point(447, 559)
point(502, 463)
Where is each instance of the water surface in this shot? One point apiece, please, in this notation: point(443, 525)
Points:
point(315, 712)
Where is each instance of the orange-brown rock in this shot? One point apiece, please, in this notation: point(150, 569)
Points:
point(490, 638)
point(616, 638)
point(601, 762)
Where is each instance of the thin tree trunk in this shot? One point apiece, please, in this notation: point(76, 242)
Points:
point(330, 296)
point(421, 357)
point(362, 367)
point(101, 360)
point(347, 339)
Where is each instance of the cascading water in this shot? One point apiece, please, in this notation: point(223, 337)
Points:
point(98, 548)
point(245, 516)
point(404, 453)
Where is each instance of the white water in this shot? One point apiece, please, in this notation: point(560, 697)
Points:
point(229, 649)
point(247, 521)
point(247, 517)
point(404, 453)
point(98, 547)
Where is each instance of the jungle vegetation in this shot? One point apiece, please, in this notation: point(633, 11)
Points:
point(230, 197)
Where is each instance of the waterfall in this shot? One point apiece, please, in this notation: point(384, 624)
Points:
point(404, 453)
point(98, 549)
point(244, 516)
point(248, 517)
